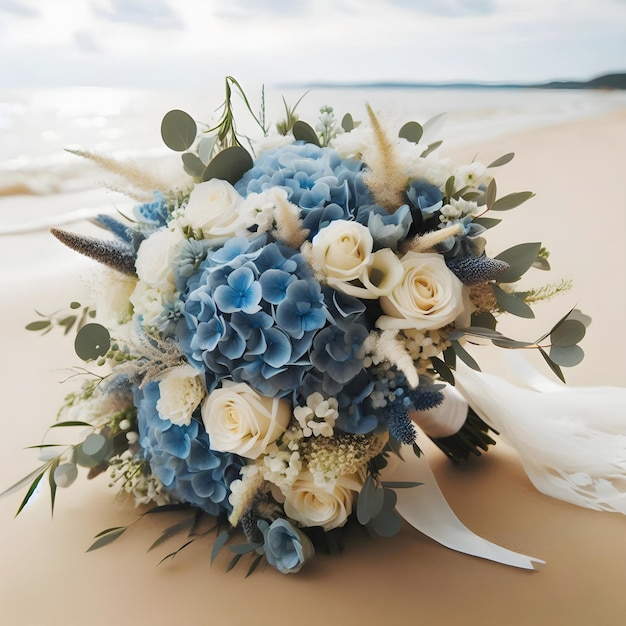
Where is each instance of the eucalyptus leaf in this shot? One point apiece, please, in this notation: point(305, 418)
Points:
point(304, 132)
point(387, 523)
point(520, 259)
point(511, 201)
point(178, 130)
point(255, 564)
point(92, 451)
point(577, 314)
point(347, 123)
point(486, 222)
point(503, 160)
point(553, 366)
point(39, 325)
point(52, 483)
point(431, 148)
point(411, 131)
point(369, 502)
point(220, 542)
point(505, 342)
point(205, 148)
point(391, 484)
point(172, 531)
point(233, 562)
point(442, 369)
point(92, 341)
point(69, 423)
point(229, 165)
point(484, 320)
point(569, 333)
point(107, 539)
point(541, 264)
point(491, 193)
point(65, 474)
point(465, 356)
point(567, 356)
point(171, 555)
point(449, 187)
point(31, 490)
point(244, 548)
point(512, 304)
point(193, 165)
point(20, 484)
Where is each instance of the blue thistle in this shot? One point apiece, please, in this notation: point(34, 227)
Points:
point(121, 231)
point(476, 269)
point(400, 425)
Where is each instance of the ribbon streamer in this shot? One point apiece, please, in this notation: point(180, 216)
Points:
point(426, 509)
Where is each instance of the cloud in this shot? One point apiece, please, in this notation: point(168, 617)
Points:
point(15, 7)
point(86, 42)
point(150, 13)
point(448, 8)
point(240, 9)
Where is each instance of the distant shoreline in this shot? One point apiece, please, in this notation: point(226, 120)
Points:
point(605, 82)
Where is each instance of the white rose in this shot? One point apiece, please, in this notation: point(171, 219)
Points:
point(240, 420)
point(181, 392)
point(327, 505)
point(342, 250)
point(214, 207)
point(429, 296)
point(155, 258)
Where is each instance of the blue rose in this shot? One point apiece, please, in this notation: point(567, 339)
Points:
point(286, 548)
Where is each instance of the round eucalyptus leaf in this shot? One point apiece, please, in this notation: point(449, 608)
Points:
point(567, 356)
point(193, 164)
point(304, 132)
point(411, 131)
point(65, 474)
point(92, 451)
point(92, 341)
point(347, 123)
point(569, 333)
point(229, 165)
point(178, 130)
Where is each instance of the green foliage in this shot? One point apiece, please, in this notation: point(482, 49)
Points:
point(63, 318)
point(411, 131)
point(178, 130)
point(92, 341)
point(503, 160)
point(284, 126)
point(230, 165)
point(520, 259)
point(512, 303)
point(304, 132)
point(347, 123)
point(431, 148)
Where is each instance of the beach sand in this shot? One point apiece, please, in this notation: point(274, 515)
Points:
point(575, 169)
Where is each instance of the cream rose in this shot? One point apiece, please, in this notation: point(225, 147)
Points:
point(155, 258)
point(181, 391)
point(240, 420)
point(327, 506)
point(342, 250)
point(429, 296)
point(216, 209)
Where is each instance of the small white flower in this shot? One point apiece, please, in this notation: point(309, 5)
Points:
point(318, 417)
point(181, 391)
point(470, 175)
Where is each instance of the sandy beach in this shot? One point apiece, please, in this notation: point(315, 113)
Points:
point(576, 172)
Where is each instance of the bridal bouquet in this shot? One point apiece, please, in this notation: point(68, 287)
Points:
point(273, 330)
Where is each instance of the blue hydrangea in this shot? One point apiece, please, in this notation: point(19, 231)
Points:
point(387, 230)
point(154, 213)
point(250, 313)
point(313, 177)
point(180, 456)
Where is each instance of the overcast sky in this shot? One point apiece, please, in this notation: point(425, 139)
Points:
point(185, 43)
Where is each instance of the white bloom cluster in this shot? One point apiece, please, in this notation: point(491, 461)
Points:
point(318, 417)
point(145, 488)
point(456, 210)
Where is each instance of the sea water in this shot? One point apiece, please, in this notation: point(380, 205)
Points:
point(42, 184)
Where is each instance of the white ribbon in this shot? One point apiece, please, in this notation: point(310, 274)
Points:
point(426, 509)
point(445, 419)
